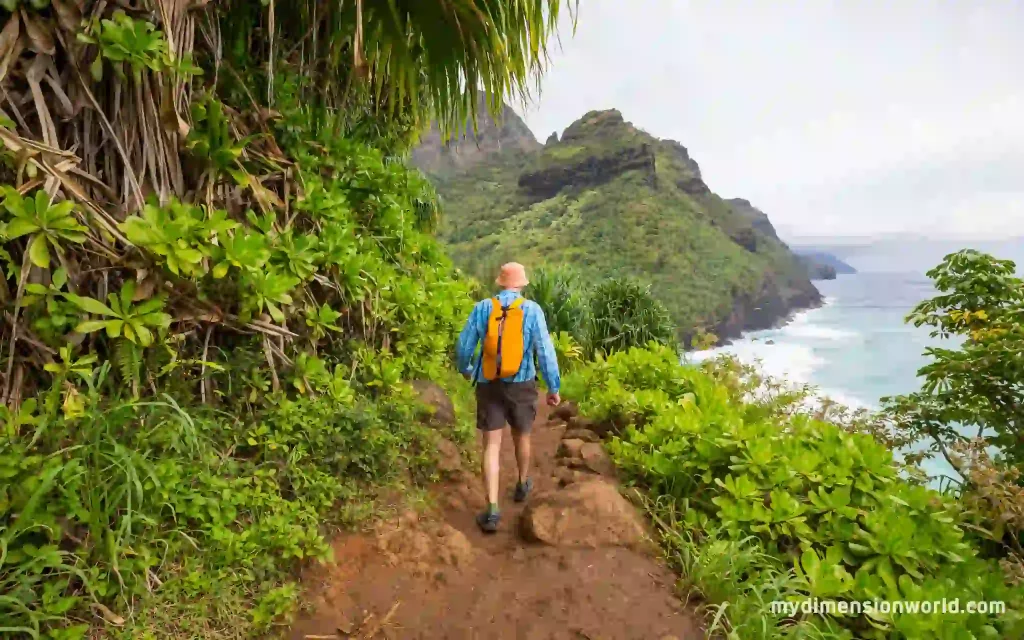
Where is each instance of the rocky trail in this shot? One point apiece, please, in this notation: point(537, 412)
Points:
point(575, 562)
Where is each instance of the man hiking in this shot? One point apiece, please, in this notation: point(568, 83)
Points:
point(512, 330)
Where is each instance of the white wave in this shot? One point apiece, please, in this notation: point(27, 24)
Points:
point(846, 399)
point(783, 360)
point(819, 332)
point(805, 325)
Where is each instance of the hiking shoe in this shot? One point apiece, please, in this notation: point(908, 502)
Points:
point(522, 490)
point(488, 521)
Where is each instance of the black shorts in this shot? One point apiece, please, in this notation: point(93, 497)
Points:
point(500, 402)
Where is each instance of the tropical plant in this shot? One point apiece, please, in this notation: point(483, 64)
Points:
point(207, 202)
point(625, 314)
point(46, 225)
point(976, 389)
point(562, 296)
point(135, 322)
point(827, 510)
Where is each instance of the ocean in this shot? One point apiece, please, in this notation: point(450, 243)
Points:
point(857, 347)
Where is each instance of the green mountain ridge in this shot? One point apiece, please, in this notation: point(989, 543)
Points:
point(610, 199)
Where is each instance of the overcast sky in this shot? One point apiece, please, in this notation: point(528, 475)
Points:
point(835, 118)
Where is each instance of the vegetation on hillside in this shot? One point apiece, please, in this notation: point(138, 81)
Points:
point(594, 320)
point(217, 275)
point(762, 496)
point(618, 202)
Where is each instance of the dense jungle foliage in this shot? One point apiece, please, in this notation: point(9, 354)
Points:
point(763, 495)
point(218, 277)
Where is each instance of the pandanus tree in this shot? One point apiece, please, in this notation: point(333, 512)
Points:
point(164, 181)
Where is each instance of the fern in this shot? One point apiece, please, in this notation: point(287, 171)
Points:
point(129, 364)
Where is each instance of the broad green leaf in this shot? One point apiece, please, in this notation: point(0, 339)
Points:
point(90, 305)
point(20, 227)
point(88, 326)
point(39, 251)
point(114, 328)
point(60, 278)
point(144, 334)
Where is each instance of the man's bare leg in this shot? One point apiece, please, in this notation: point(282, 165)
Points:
point(491, 464)
point(521, 441)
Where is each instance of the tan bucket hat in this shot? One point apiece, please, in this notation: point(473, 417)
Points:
point(512, 276)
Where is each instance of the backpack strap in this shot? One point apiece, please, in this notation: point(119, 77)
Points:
point(478, 369)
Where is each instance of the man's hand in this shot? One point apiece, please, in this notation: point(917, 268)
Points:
point(554, 399)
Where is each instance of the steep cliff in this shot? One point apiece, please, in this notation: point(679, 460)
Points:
point(507, 134)
point(611, 199)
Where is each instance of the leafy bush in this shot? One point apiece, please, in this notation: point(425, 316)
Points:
point(625, 314)
point(968, 409)
point(608, 316)
point(979, 386)
point(209, 325)
point(826, 506)
point(193, 503)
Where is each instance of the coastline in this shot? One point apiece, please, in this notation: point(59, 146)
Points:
point(768, 311)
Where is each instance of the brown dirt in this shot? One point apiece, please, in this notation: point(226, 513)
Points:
point(437, 576)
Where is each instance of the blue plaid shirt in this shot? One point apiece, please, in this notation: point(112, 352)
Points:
point(536, 340)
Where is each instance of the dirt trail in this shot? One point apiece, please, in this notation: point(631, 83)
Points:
point(437, 576)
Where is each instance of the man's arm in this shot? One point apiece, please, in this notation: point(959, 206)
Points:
point(468, 339)
point(546, 356)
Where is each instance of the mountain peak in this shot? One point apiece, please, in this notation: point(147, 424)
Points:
point(465, 149)
point(596, 123)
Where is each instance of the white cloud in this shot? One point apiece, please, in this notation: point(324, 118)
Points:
point(838, 117)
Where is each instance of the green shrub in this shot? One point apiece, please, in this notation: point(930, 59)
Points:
point(828, 507)
point(625, 314)
point(204, 503)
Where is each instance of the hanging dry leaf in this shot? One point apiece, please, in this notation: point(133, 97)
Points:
point(172, 121)
point(40, 34)
point(67, 109)
point(68, 15)
point(145, 285)
point(10, 44)
point(9, 35)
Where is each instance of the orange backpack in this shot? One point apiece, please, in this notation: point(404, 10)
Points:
point(503, 343)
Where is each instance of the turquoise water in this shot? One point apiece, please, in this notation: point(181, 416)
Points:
point(856, 348)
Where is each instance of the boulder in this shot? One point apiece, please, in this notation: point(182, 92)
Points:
point(571, 448)
point(449, 457)
point(423, 545)
point(602, 429)
point(586, 435)
point(588, 513)
point(442, 411)
point(565, 411)
point(579, 422)
point(565, 476)
point(596, 459)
